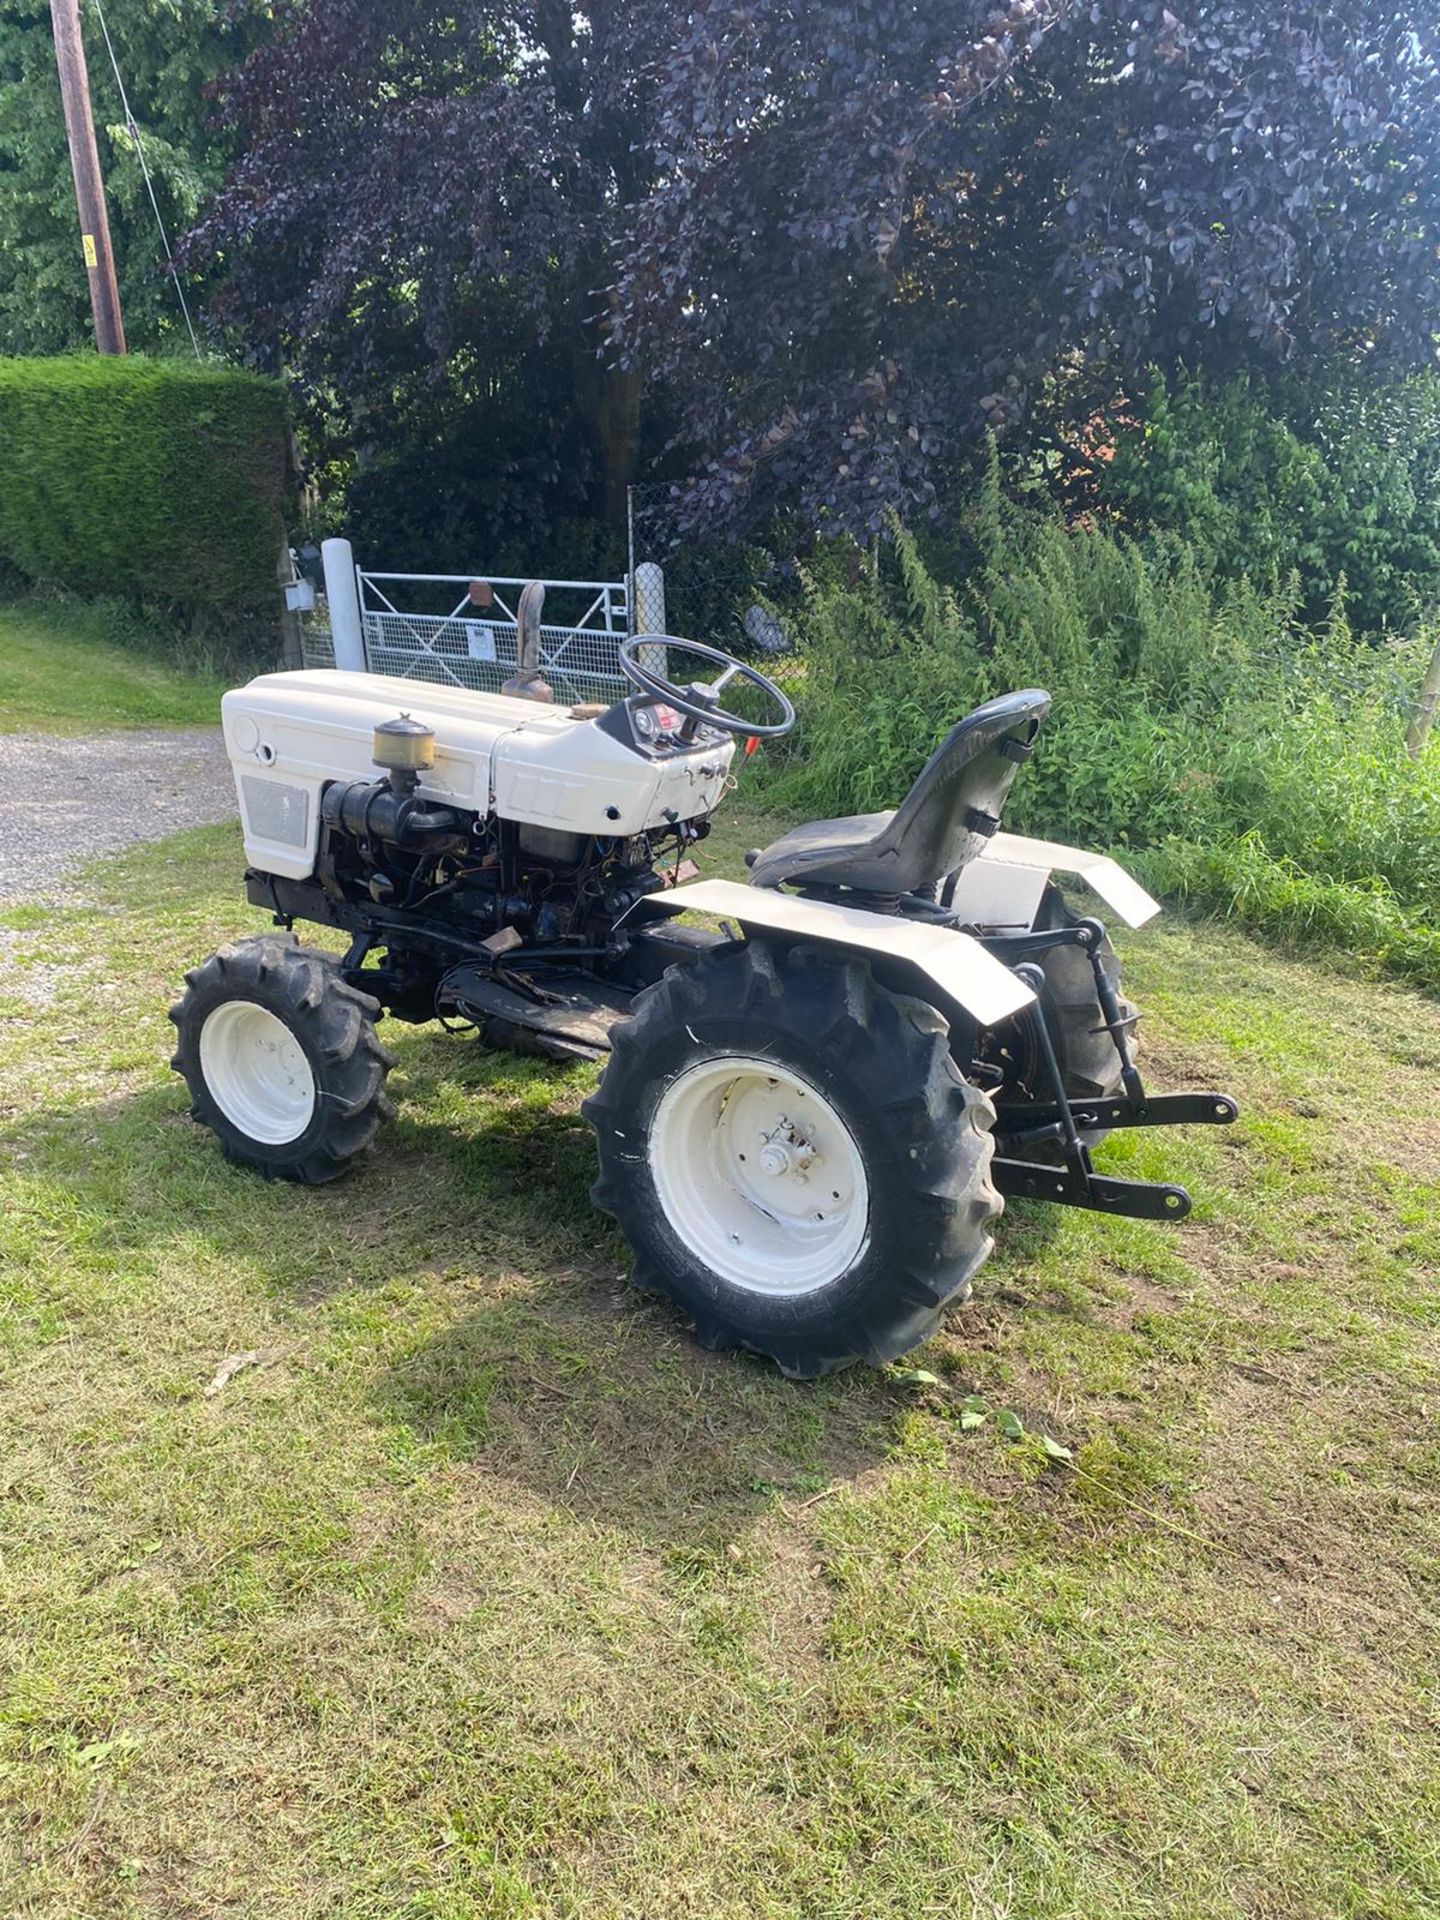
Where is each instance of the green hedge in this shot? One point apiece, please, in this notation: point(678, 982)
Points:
point(159, 480)
point(1332, 481)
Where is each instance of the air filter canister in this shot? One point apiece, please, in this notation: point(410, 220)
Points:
point(404, 745)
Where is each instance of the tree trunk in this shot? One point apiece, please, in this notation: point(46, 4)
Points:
point(609, 402)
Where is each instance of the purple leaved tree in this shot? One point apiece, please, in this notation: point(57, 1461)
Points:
point(831, 243)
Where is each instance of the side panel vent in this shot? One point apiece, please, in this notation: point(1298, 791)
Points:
point(276, 811)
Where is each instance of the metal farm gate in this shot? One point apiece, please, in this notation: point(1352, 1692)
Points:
point(459, 631)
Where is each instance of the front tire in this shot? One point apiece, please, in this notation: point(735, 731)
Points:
point(281, 1058)
point(794, 1156)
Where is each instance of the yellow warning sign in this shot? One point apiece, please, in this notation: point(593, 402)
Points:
point(87, 240)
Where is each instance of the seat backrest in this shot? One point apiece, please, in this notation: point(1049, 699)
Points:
point(957, 799)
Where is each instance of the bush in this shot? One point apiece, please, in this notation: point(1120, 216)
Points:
point(1260, 764)
point(159, 481)
point(1329, 481)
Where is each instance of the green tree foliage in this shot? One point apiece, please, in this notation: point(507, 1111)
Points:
point(840, 240)
point(155, 480)
point(884, 226)
point(1334, 480)
point(475, 461)
point(431, 190)
point(169, 52)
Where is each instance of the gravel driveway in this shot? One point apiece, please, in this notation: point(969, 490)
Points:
point(64, 801)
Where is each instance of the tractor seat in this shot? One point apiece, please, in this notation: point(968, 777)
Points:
point(939, 827)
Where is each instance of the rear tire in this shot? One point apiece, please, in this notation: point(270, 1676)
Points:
point(1088, 1058)
point(794, 1157)
point(281, 1058)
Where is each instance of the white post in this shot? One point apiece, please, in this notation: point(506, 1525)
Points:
point(649, 597)
point(342, 592)
point(1423, 718)
point(648, 614)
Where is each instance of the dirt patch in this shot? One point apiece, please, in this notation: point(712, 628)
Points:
point(1305, 1523)
point(792, 1600)
point(33, 983)
point(63, 802)
point(1141, 1297)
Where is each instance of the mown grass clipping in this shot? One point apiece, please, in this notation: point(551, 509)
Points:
point(161, 481)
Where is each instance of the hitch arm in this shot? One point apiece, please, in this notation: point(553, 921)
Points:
point(1154, 1110)
point(1071, 1186)
point(1075, 1182)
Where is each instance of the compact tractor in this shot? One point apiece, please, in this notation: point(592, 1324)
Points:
point(818, 1087)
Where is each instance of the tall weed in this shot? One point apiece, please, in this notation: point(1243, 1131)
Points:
point(1261, 762)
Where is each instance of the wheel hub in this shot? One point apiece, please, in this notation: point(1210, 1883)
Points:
point(257, 1072)
point(759, 1175)
point(786, 1154)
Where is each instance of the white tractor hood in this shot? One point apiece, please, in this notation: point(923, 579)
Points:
point(289, 734)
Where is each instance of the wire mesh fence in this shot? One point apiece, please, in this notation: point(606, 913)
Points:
point(317, 648)
point(427, 648)
point(455, 631)
point(710, 585)
point(482, 655)
point(459, 631)
point(475, 643)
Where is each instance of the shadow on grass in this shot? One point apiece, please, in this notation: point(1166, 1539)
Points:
point(603, 1405)
point(462, 1280)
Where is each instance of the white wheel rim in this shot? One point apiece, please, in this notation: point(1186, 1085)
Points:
point(257, 1072)
point(759, 1176)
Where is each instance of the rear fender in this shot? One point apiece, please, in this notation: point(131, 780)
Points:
point(1002, 889)
point(952, 963)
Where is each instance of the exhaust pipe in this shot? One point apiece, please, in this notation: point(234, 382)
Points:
point(527, 682)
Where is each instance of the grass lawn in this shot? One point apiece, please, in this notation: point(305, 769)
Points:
point(63, 670)
point(481, 1592)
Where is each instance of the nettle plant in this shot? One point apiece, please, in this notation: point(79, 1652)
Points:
point(1255, 762)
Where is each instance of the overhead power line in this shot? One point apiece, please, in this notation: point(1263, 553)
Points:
point(134, 132)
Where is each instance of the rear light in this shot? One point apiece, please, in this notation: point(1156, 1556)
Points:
point(752, 745)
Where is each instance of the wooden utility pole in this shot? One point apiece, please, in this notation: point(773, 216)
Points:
point(89, 187)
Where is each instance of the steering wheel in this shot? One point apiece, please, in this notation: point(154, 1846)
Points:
point(699, 700)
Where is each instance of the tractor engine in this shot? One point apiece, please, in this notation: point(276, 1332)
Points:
point(478, 837)
point(475, 874)
point(480, 873)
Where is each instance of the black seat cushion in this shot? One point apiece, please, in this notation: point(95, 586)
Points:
point(940, 826)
